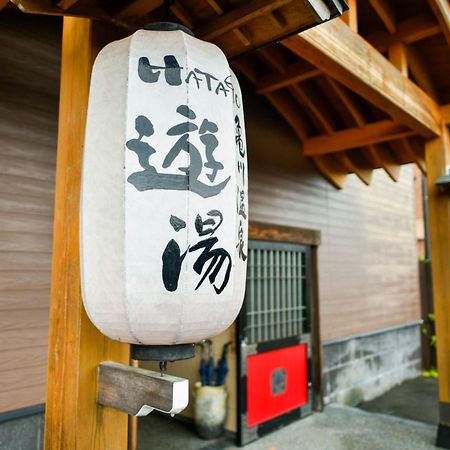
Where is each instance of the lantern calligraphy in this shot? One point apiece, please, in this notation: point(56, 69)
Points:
point(164, 191)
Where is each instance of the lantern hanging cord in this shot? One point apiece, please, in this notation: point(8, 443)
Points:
point(167, 6)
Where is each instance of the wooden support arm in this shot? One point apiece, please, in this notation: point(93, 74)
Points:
point(139, 391)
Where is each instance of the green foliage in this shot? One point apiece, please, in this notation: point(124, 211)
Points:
point(432, 373)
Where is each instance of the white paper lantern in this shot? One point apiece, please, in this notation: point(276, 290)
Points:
point(164, 192)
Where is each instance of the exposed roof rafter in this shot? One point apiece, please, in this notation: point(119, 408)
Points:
point(344, 55)
point(373, 133)
point(385, 12)
point(441, 9)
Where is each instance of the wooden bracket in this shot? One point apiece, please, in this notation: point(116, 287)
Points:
point(139, 391)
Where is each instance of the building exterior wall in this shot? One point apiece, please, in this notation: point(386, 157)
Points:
point(368, 277)
point(29, 61)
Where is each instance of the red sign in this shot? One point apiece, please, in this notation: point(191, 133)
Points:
point(277, 382)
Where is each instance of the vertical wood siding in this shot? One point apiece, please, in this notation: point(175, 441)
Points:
point(29, 83)
point(368, 276)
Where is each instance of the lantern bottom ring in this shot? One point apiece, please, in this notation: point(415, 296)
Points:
point(162, 352)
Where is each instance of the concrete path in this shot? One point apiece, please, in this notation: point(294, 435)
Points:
point(415, 399)
point(337, 428)
point(345, 428)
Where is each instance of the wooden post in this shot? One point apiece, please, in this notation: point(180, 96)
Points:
point(437, 153)
point(73, 418)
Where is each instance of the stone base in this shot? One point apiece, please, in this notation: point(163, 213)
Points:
point(363, 367)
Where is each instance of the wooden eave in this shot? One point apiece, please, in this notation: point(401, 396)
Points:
point(360, 93)
point(236, 26)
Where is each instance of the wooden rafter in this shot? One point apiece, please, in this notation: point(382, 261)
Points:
point(315, 107)
point(282, 102)
point(66, 4)
point(351, 105)
point(410, 151)
point(446, 114)
point(331, 170)
point(441, 9)
point(137, 8)
point(350, 17)
point(385, 12)
point(374, 133)
point(290, 111)
point(419, 71)
point(238, 17)
point(380, 156)
point(339, 52)
point(398, 57)
point(377, 155)
point(409, 31)
point(214, 4)
point(182, 15)
point(363, 173)
point(294, 73)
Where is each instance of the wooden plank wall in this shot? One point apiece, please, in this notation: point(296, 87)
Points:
point(29, 86)
point(368, 275)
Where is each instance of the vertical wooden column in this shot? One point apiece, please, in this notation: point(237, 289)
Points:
point(73, 418)
point(437, 152)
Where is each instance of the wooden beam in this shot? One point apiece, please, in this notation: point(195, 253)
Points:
point(290, 111)
point(350, 17)
point(437, 155)
point(331, 170)
point(66, 4)
point(419, 71)
point(445, 109)
point(351, 105)
point(137, 8)
point(377, 155)
point(316, 108)
point(138, 391)
point(363, 173)
point(238, 17)
point(237, 32)
point(294, 73)
point(397, 56)
point(73, 418)
point(441, 9)
point(182, 15)
point(385, 12)
point(410, 151)
point(385, 130)
point(380, 156)
point(344, 55)
point(408, 31)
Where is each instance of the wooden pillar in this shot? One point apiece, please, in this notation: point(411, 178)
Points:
point(437, 153)
point(73, 419)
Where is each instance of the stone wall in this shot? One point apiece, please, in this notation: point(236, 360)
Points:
point(22, 429)
point(363, 367)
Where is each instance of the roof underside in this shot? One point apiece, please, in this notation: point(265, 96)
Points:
point(369, 107)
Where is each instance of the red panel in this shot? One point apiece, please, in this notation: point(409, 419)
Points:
point(262, 403)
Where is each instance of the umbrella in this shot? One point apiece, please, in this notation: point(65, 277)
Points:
point(222, 367)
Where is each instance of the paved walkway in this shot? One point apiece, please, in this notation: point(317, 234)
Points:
point(337, 428)
point(413, 399)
